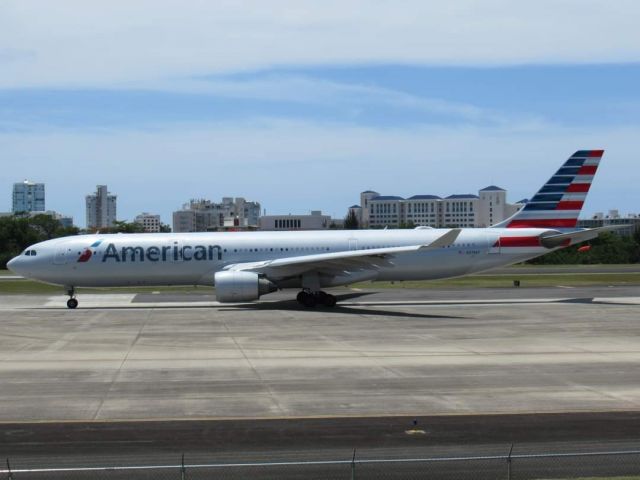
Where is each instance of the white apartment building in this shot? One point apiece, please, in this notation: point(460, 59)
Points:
point(150, 222)
point(28, 197)
point(599, 219)
point(459, 210)
point(315, 221)
point(200, 215)
point(101, 208)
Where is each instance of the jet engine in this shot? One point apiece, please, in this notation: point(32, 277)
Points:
point(241, 286)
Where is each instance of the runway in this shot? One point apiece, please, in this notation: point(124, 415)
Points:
point(395, 352)
point(139, 379)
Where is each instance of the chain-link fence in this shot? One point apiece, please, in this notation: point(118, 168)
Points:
point(610, 465)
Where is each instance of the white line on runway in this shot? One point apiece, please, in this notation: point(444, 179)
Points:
point(127, 301)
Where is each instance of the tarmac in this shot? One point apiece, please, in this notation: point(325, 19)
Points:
point(393, 352)
point(140, 379)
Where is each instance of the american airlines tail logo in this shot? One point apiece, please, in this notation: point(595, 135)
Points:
point(86, 255)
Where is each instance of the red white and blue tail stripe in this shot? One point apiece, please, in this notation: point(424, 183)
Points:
point(558, 203)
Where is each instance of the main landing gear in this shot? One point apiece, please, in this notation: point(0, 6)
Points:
point(311, 299)
point(73, 301)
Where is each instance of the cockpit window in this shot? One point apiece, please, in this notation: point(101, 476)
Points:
point(33, 253)
point(30, 253)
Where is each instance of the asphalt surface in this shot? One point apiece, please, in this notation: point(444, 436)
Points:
point(100, 444)
point(139, 380)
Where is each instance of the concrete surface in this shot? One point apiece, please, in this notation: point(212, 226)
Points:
point(389, 353)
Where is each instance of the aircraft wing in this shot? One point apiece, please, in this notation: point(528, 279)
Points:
point(338, 263)
point(571, 238)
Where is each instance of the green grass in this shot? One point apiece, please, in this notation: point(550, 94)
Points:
point(504, 281)
point(22, 287)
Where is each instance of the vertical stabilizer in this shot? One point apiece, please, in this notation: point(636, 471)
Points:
point(559, 202)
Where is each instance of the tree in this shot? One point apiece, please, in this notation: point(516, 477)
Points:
point(18, 232)
point(351, 221)
point(609, 247)
point(121, 226)
point(408, 225)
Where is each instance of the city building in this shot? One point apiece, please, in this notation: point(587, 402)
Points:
point(460, 210)
point(101, 208)
point(493, 206)
point(150, 222)
point(200, 215)
point(631, 221)
point(28, 197)
point(315, 221)
point(65, 220)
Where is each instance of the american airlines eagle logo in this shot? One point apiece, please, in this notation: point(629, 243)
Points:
point(86, 255)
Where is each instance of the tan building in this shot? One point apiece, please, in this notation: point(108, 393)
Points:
point(459, 210)
point(150, 222)
point(204, 215)
point(315, 221)
point(101, 208)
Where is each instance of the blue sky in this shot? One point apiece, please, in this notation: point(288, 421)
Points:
point(308, 118)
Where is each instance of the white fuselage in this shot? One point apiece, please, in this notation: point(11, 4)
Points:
point(194, 258)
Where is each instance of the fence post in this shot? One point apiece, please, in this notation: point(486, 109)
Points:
point(509, 463)
point(353, 465)
point(182, 469)
point(10, 475)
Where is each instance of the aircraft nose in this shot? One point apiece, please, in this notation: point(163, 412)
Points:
point(15, 265)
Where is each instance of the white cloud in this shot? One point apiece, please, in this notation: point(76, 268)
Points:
point(297, 166)
point(79, 43)
point(309, 90)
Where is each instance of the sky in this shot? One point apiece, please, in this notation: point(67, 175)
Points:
point(301, 105)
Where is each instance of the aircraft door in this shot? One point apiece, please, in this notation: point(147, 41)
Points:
point(353, 244)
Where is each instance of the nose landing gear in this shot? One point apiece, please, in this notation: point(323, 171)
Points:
point(73, 301)
point(311, 299)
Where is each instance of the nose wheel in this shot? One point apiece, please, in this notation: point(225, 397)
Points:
point(73, 301)
point(311, 299)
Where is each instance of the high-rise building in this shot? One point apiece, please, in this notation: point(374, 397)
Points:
point(101, 208)
point(204, 215)
point(150, 223)
point(28, 197)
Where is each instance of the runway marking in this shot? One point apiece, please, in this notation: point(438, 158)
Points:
point(126, 302)
point(618, 300)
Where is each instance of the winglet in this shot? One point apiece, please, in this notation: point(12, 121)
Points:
point(444, 240)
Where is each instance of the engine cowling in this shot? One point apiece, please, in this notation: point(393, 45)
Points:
point(241, 286)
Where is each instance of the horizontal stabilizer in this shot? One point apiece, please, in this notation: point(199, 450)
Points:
point(571, 238)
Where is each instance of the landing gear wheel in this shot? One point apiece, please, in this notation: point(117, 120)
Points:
point(329, 300)
point(72, 303)
point(326, 299)
point(307, 299)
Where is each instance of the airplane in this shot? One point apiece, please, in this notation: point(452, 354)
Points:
point(243, 266)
